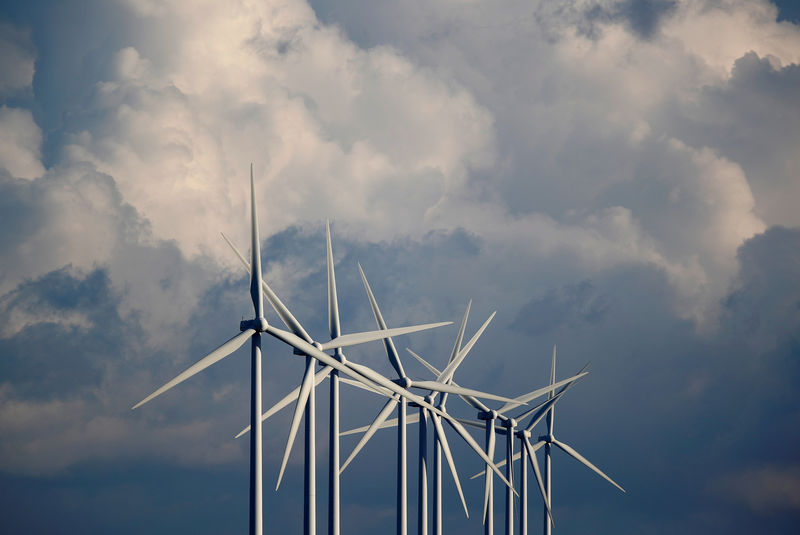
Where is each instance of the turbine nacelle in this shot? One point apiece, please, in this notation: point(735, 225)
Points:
point(510, 423)
point(259, 325)
point(547, 438)
point(488, 415)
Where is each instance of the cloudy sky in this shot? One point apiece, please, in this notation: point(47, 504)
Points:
point(620, 178)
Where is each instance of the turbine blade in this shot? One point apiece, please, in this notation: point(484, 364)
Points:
point(475, 403)
point(364, 374)
point(280, 309)
point(391, 422)
point(288, 398)
point(447, 373)
point(470, 423)
point(391, 351)
point(373, 375)
point(346, 340)
point(548, 405)
point(255, 248)
point(218, 354)
point(535, 465)
point(375, 389)
point(580, 458)
point(551, 415)
point(333, 303)
point(374, 426)
point(457, 347)
point(536, 393)
point(442, 438)
point(299, 409)
point(500, 464)
point(460, 336)
point(452, 389)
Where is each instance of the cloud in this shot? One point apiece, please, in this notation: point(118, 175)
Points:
point(605, 175)
point(17, 56)
point(20, 143)
point(765, 489)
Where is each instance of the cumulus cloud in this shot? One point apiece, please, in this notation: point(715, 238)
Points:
point(17, 58)
point(20, 143)
point(572, 164)
point(764, 489)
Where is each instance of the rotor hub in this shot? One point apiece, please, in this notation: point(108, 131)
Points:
point(258, 324)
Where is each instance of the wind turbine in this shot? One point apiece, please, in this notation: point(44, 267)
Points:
point(304, 395)
point(548, 441)
point(489, 416)
point(252, 330)
point(527, 451)
point(380, 420)
point(299, 340)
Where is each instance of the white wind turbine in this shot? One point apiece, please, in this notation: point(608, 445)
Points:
point(527, 450)
point(509, 423)
point(304, 395)
point(381, 421)
point(548, 441)
point(252, 329)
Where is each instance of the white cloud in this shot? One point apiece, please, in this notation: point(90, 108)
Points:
point(764, 489)
point(16, 59)
point(20, 143)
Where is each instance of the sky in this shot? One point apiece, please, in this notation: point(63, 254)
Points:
point(616, 177)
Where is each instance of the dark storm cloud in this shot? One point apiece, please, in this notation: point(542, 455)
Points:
point(571, 303)
point(752, 119)
point(641, 155)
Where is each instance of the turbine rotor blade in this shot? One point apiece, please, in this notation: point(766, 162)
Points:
point(346, 340)
point(470, 423)
point(457, 347)
point(333, 302)
point(540, 392)
point(280, 309)
point(444, 387)
point(535, 465)
point(442, 438)
point(255, 248)
point(391, 351)
point(299, 409)
point(374, 426)
point(391, 422)
point(356, 371)
point(447, 373)
point(475, 403)
point(288, 398)
point(460, 336)
point(542, 409)
point(218, 354)
point(375, 389)
point(580, 458)
point(500, 464)
point(551, 415)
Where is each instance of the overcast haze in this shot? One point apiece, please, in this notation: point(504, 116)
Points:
point(620, 178)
